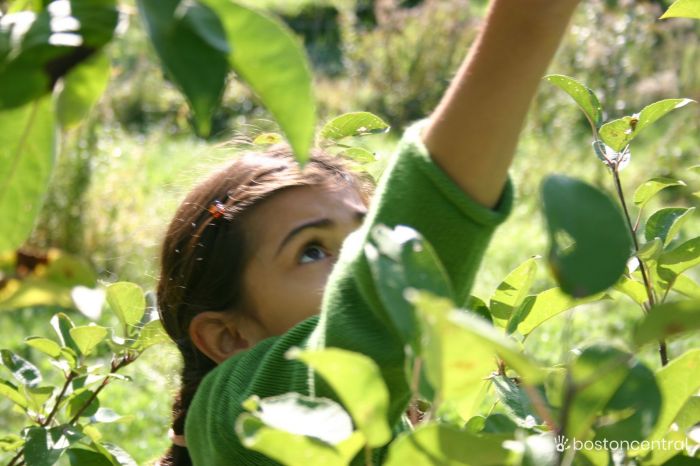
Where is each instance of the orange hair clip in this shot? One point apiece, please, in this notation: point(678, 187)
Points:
point(217, 209)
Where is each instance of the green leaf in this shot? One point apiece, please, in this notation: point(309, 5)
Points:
point(151, 334)
point(10, 442)
point(596, 374)
point(651, 250)
point(515, 401)
point(37, 396)
point(682, 258)
point(638, 394)
point(128, 303)
point(578, 212)
point(87, 337)
point(295, 429)
point(351, 125)
point(62, 324)
point(619, 133)
point(665, 223)
point(583, 96)
point(359, 155)
point(44, 345)
point(45, 446)
point(10, 391)
point(678, 381)
point(27, 149)
point(82, 457)
point(439, 444)
point(118, 455)
point(107, 416)
point(272, 61)
point(537, 309)
point(77, 401)
point(22, 370)
point(647, 190)
point(512, 291)
point(82, 89)
point(632, 288)
point(683, 9)
point(668, 319)
point(687, 287)
point(366, 398)
point(399, 259)
point(265, 139)
point(190, 41)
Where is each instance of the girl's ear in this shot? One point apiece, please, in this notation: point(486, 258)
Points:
point(218, 335)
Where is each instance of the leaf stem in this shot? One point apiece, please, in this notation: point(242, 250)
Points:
point(642, 266)
point(53, 412)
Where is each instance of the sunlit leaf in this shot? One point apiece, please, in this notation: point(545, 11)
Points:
point(80, 457)
point(37, 396)
point(359, 155)
point(678, 381)
point(62, 324)
point(686, 286)
point(22, 370)
point(87, 337)
point(668, 319)
point(583, 96)
point(651, 250)
point(10, 392)
point(632, 288)
point(82, 88)
point(683, 9)
point(267, 139)
point(666, 223)
point(647, 190)
point(353, 124)
point(44, 345)
point(600, 244)
point(515, 401)
point(272, 61)
point(151, 334)
point(366, 398)
point(127, 301)
point(512, 291)
point(26, 159)
point(682, 257)
point(191, 43)
point(439, 444)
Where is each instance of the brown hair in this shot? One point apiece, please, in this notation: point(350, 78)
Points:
point(205, 251)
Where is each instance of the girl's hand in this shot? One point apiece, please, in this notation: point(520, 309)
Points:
point(473, 132)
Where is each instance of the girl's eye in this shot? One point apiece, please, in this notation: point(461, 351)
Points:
point(312, 253)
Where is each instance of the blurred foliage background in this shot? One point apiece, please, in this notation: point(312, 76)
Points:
point(121, 174)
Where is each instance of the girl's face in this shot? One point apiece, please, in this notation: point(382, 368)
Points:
point(297, 235)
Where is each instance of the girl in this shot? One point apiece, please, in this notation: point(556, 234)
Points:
point(259, 249)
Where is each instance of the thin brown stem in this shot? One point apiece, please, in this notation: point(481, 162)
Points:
point(53, 412)
point(642, 266)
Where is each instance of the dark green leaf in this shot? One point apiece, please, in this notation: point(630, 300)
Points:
point(584, 97)
point(597, 374)
point(353, 124)
point(191, 43)
point(683, 9)
point(268, 57)
point(45, 446)
point(668, 319)
point(665, 223)
point(515, 401)
point(399, 259)
point(649, 189)
point(499, 423)
point(82, 88)
point(366, 398)
point(78, 401)
point(22, 370)
point(512, 291)
point(578, 212)
point(678, 381)
point(83, 457)
point(62, 324)
point(437, 444)
point(638, 394)
point(26, 159)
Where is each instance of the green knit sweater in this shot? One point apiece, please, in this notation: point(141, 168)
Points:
point(413, 192)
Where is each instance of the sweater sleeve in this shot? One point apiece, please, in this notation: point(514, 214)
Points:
point(413, 192)
point(417, 193)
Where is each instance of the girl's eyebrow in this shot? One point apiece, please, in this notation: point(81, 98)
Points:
point(320, 223)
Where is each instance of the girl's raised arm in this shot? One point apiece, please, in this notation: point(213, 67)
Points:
point(473, 133)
